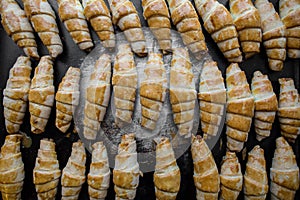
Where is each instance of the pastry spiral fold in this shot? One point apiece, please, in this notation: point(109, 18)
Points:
point(41, 95)
point(212, 99)
point(67, 99)
point(284, 173)
point(206, 175)
point(97, 97)
point(124, 83)
point(125, 15)
point(42, 18)
point(12, 172)
point(289, 109)
point(16, 94)
point(71, 14)
point(240, 108)
point(99, 175)
point(126, 172)
point(274, 33)
point(46, 172)
point(255, 178)
point(219, 24)
point(153, 90)
point(99, 16)
point(167, 174)
point(73, 175)
point(17, 26)
point(182, 91)
point(266, 105)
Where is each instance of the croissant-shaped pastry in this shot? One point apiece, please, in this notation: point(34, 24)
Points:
point(247, 22)
point(157, 15)
point(71, 14)
point(153, 90)
point(12, 172)
point(99, 16)
point(17, 26)
point(167, 174)
point(97, 97)
point(240, 108)
point(124, 84)
point(182, 91)
point(16, 94)
point(42, 18)
point(284, 173)
point(126, 172)
point(289, 11)
point(46, 172)
point(212, 98)
point(99, 175)
point(289, 109)
point(125, 15)
point(73, 175)
point(231, 177)
point(67, 99)
point(41, 95)
point(266, 105)
point(255, 178)
point(185, 18)
point(206, 175)
point(273, 34)
point(219, 23)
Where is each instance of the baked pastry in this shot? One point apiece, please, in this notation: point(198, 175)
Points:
point(219, 24)
point(99, 16)
point(231, 177)
point(67, 99)
point(289, 109)
point(71, 14)
point(289, 11)
point(124, 83)
point(125, 16)
point(99, 175)
point(17, 26)
point(157, 15)
point(97, 97)
point(46, 172)
point(212, 99)
point(15, 95)
point(240, 108)
point(266, 105)
point(167, 174)
point(284, 173)
point(12, 172)
point(247, 22)
point(41, 95)
point(73, 175)
point(255, 178)
point(206, 175)
point(153, 90)
point(126, 172)
point(42, 18)
point(273, 34)
point(185, 18)
point(182, 91)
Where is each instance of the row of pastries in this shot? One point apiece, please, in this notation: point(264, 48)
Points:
point(210, 182)
point(237, 103)
point(242, 28)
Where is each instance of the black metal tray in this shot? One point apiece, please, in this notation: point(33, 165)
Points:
point(73, 56)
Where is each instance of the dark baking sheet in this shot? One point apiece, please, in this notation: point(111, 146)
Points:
point(72, 56)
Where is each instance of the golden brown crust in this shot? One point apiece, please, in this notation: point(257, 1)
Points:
point(240, 107)
point(42, 18)
point(219, 23)
point(17, 26)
